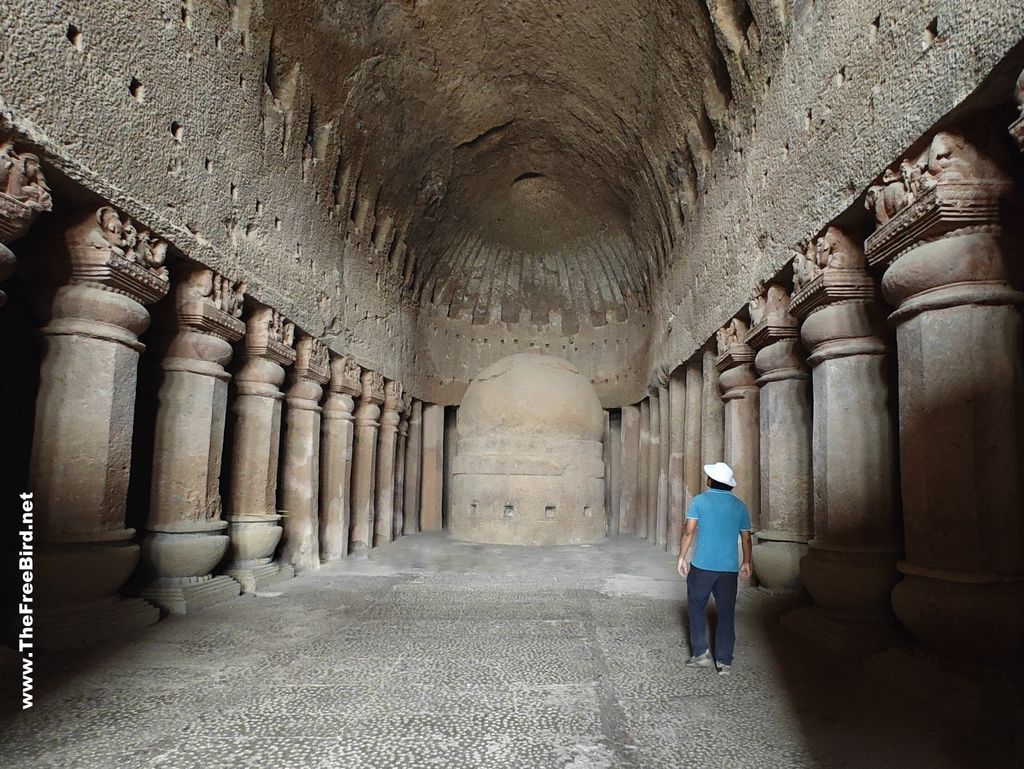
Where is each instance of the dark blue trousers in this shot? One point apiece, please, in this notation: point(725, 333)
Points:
point(700, 586)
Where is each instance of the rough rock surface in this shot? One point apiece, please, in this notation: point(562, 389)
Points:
point(432, 186)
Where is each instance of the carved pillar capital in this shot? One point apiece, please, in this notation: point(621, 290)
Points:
point(204, 320)
point(775, 334)
point(392, 403)
point(346, 376)
point(109, 251)
point(24, 193)
point(207, 302)
point(344, 383)
point(735, 360)
point(267, 350)
point(835, 298)
point(404, 414)
point(23, 196)
point(370, 398)
point(940, 234)
point(309, 374)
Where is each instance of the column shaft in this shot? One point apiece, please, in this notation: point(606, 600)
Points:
point(186, 536)
point(850, 568)
point(253, 520)
point(432, 479)
point(615, 469)
point(401, 449)
point(643, 469)
point(692, 470)
point(300, 468)
point(952, 262)
point(413, 467)
point(630, 463)
point(787, 511)
point(364, 462)
point(81, 451)
point(712, 435)
point(387, 439)
point(664, 453)
point(336, 459)
point(677, 449)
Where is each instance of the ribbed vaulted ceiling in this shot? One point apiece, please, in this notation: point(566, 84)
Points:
point(529, 161)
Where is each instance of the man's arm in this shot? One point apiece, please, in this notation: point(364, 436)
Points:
point(684, 544)
point(745, 566)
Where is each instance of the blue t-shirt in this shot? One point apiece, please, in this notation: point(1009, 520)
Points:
point(720, 516)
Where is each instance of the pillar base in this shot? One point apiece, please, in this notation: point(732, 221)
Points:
point(189, 596)
point(777, 564)
point(81, 625)
point(977, 696)
point(846, 637)
point(255, 578)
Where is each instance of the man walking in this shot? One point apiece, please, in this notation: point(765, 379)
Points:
point(721, 518)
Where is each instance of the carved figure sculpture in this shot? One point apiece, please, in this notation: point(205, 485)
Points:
point(731, 334)
point(776, 302)
point(834, 250)
point(755, 307)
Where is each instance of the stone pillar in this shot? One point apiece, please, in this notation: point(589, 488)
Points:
point(185, 534)
point(384, 522)
point(606, 460)
point(400, 459)
point(253, 520)
point(851, 566)
point(336, 458)
point(664, 451)
point(432, 478)
point(81, 452)
point(630, 464)
point(615, 471)
point(23, 196)
point(677, 449)
point(740, 395)
point(413, 467)
point(300, 465)
point(693, 471)
point(364, 461)
point(712, 421)
point(654, 466)
point(643, 469)
point(787, 511)
point(952, 257)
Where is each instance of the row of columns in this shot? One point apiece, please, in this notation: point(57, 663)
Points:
point(898, 510)
point(323, 457)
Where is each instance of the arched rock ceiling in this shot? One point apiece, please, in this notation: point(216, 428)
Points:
point(528, 161)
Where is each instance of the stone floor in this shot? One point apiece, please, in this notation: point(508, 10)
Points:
point(441, 654)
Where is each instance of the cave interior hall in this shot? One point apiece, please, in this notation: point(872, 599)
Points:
point(359, 361)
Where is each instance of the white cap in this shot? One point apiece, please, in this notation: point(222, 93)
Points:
point(720, 472)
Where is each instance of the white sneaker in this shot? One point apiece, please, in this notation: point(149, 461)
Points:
point(701, 661)
point(724, 670)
